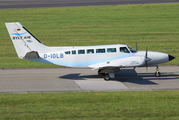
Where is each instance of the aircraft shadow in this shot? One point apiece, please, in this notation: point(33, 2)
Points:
point(131, 76)
point(126, 75)
point(78, 76)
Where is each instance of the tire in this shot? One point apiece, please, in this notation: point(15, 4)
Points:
point(157, 74)
point(106, 77)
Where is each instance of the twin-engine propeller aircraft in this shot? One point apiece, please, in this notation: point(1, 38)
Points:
point(107, 59)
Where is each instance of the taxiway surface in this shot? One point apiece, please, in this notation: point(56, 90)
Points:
point(70, 79)
point(19, 4)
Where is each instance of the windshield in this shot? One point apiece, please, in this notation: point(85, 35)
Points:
point(132, 49)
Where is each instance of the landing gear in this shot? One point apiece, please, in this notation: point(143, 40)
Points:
point(106, 77)
point(157, 73)
point(100, 74)
point(107, 74)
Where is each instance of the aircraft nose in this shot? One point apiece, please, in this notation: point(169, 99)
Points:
point(171, 57)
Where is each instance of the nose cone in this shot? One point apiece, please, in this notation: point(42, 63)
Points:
point(171, 57)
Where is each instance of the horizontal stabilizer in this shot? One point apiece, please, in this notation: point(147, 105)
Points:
point(32, 55)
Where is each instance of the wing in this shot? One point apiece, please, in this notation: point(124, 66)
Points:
point(107, 66)
point(115, 65)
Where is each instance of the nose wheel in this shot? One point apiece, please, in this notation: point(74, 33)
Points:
point(157, 73)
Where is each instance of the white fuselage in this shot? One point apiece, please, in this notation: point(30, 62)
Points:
point(99, 56)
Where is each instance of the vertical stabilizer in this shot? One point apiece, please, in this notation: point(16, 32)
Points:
point(24, 42)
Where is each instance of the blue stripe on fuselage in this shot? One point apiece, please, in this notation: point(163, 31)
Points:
point(80, 64)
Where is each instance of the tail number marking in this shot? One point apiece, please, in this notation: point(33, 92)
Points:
point(55, 55)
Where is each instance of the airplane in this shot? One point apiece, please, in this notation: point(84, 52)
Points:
point(106, 59)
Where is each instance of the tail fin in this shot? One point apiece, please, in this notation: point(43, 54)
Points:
point(24, 42)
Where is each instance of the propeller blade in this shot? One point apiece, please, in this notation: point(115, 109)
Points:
point(146, 59)
point(146, 52)
point(136, 47)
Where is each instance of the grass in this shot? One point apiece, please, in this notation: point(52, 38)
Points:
point(149, 105)
point(150, 25)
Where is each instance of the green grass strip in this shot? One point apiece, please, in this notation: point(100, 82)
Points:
point(149, 105)
point(155, 26)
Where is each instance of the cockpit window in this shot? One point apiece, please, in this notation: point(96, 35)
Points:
point(124, 50)
point(132, 49)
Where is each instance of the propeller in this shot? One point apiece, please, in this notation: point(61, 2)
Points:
point(136, 50)
point(146, 58)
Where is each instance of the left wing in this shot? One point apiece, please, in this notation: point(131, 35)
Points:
point(107, 65)
point(118, 63)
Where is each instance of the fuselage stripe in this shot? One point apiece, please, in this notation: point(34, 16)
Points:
point(80, 64)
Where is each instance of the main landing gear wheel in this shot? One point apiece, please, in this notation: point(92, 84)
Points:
point(157, 74)
point(106, 77)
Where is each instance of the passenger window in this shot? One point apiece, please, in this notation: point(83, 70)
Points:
point(124, 50)
point(90, 51)
point(81, 51)
point(100, 50)
point(67, 52)
point(74, 52)
point(110, 50)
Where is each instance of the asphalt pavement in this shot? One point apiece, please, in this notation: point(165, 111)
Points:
point(21, 4)
point(71, 79)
